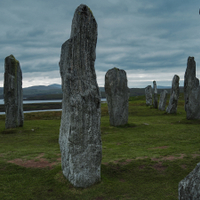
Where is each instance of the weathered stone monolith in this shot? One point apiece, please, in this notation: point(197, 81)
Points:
point(148, 94)
point(117, 95)
point(189, 187)
point(155, 95)
point(80, 135)
point(191, 91)
point(13, 95)
point(173, 101)
point(163, 99)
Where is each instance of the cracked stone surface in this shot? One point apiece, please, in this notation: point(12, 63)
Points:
point(148, 94)
point(189, 187)
point(173, 101)
point(13, 94)
point(163, 99)
point(80, 135)
point(117, 95)
point(191, 91)
point(155, 95)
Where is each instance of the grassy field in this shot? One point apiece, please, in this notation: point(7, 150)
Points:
point(145, 159)
point(37, 106)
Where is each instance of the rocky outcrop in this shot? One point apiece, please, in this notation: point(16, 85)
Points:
point(173, 101)
point(163, 99)
point(155, 95)
point(80, 135)
point(117, 95)
point(13, 95)
point(191, 91)
point(148, 94)
point(189, 187)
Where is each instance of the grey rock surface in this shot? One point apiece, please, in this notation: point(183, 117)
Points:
point(148, 94)
point(173, 101)
point(155, 95)
point(117, 95)
point(163, 99)
point(191, 91)
point(189, 187)
point(80, 135)
point(13, 95)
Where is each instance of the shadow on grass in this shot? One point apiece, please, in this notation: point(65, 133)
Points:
point(128, 125)
point(9, 131)
point(186, 121)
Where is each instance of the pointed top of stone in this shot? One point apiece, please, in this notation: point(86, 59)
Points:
point(154, 87)
point(83, 15)
point(12, 58)
point(11, 65)
point(190, 59)
point(191, 64)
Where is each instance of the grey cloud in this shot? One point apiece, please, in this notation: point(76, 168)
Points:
point(147, 35)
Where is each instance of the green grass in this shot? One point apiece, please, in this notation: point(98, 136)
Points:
point(145, 159)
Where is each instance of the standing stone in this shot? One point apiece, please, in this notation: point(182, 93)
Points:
point(80, 135)
point(117, 95)
point(148, 94)
point(191, 91)
point(163, 99)
point(189, 187)
point(13, 95)
point(155, 95)
point(173, 101)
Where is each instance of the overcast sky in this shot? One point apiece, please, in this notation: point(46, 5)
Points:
point(150, 40)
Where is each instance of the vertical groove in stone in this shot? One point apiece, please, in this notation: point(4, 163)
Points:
point(80, 136)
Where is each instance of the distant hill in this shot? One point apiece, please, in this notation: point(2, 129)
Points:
point(54, 91)
point(141, 91)
point(38, 92)
point(163, 87)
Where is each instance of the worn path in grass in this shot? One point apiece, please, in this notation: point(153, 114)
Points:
point(144, 159)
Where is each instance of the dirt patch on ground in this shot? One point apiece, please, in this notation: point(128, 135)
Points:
point(195, 155)
point(42, 163)
point(99, 198)
point(184, 166)
point(38, 162)
point(159, 167)
point(163, 147)
point(171, 158)
point(142, 166)
point(138, 158)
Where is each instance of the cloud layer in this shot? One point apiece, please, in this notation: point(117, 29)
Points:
point(151, 40)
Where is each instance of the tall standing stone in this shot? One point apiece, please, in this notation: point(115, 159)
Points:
point(155, 95)
point(189, 187)
point(163, 99)
point(191, 91)
point(148, 94)
point(117, 95)
point(173, 101)
point(80, 135)
point(13, 95)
